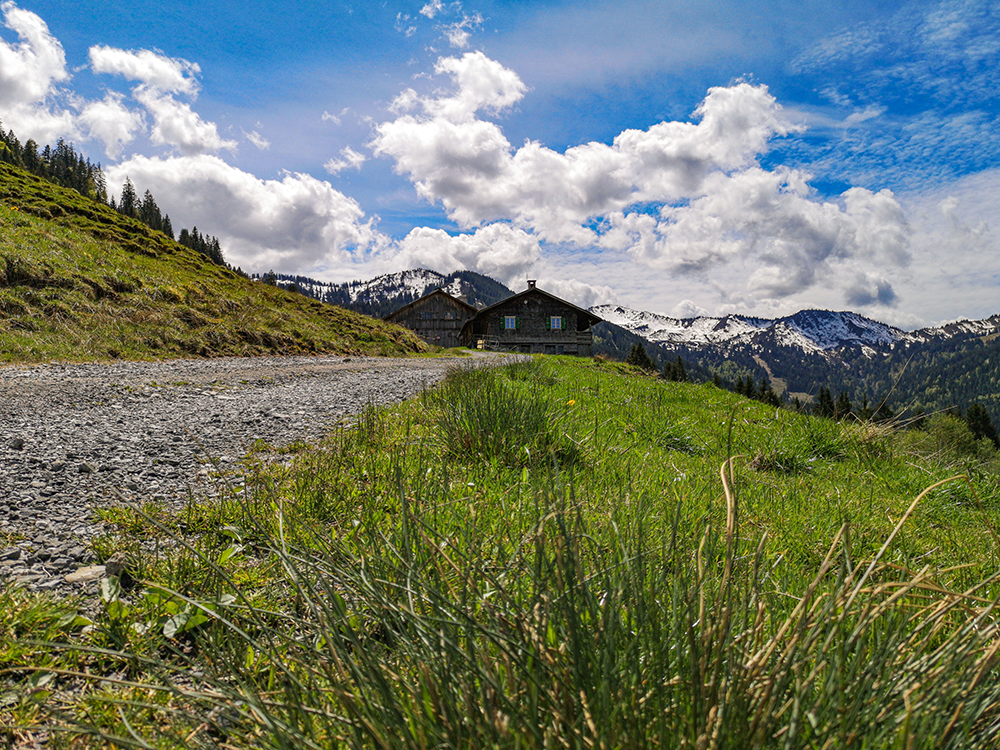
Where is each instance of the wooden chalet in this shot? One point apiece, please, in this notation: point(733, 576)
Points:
point(437, 318)
point(532, 322)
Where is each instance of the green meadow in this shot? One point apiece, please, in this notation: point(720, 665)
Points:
point(80, 282)
point(554, 553)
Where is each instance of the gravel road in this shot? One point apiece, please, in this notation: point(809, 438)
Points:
point(76, 437)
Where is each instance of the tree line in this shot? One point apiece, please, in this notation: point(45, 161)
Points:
point(976, 418)
point(63, 166)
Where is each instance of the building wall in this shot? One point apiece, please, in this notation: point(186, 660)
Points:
point(532, 310)
point(436, 319)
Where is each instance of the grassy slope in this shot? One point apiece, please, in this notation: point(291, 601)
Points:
point(544, 556)
point(80, 282)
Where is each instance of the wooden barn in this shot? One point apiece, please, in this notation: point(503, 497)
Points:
point(532, 322)
point(437, 318)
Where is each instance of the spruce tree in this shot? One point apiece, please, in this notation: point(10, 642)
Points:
point(843, 406)
point(128, 203)
point(639, 358)
point(824, 403)
point(980, 424)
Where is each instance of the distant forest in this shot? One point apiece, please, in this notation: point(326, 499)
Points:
point(63, 166)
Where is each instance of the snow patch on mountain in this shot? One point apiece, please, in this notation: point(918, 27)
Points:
point(809, 330)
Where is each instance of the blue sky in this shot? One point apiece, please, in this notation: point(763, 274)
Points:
point(687, 158)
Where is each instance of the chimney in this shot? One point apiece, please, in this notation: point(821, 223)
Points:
point(531, 283)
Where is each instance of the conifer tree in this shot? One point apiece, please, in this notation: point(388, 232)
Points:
point(980, 424)
point(638, 357)
point(824, 403)
point(843, 406)
point(149, 212)
point(128, 203)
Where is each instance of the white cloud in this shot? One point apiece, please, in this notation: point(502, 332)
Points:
point(432, 8)
point(956, 252)
point(350, 159)
point(404, 26)
point(158, 71)
point(112, 123)
point(688, 309)
point(295, 224)
point(498, 250)
point(458, 33)
point(579, 293)
point(467, 163)
point(257, 140)
point(718, 207)
point(29, 72)
point(177, 125)
point(769, 222)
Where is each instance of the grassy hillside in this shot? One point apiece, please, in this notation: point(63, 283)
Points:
point(78, 281)
point(561, 553)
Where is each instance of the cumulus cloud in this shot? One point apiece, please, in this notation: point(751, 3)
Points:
point(498, 250)
point(295, 223)
point(112, 123)
point(349, 159)
point(687, 197)
point(468, 165)
point(176, 124)
point(688, 309)
point(158, 71)
point(29, 72)
point(579, 293)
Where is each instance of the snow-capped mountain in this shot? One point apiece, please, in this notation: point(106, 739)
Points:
point(809, 330)
point(380, 296)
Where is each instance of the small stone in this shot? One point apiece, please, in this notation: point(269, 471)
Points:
point(85, 468)
point(17, 444)
point(11, 553)
point(89, 573)
point(57, 466)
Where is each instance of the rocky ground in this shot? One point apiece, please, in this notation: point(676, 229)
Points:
point(76, 437)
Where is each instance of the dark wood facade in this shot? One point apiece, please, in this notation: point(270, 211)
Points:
point(532, 322)
point(437, 318)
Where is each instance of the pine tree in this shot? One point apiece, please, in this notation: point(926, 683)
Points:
point(639, 358)
point(128, 203)
point(824, 403)
point(981, 425)
point(843, 406)
point(149, 212)
point(678, 373)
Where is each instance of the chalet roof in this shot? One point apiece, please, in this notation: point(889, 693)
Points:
point(439, 291)
point(586, 314)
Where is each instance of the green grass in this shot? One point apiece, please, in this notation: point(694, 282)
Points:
point(666, 565)
point(80, 282)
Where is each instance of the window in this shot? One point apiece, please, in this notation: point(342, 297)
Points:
point(555, 323)
point(510, 322)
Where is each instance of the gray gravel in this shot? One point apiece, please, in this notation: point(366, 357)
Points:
point(80, 436)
